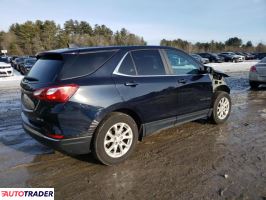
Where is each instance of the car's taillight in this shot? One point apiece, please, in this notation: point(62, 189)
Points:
point(56, 93)
point(253, 69)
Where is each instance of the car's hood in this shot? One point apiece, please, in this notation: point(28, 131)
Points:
point(3, 64)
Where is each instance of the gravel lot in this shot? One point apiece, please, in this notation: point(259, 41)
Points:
point(196, 160)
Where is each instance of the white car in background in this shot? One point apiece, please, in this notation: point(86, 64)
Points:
point(5, 67)
point(237, 57)
point(257, 74)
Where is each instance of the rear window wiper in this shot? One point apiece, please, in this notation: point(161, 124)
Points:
point(29, 78)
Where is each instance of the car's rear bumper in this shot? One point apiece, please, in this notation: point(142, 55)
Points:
point(75, 146)
point(256, 77)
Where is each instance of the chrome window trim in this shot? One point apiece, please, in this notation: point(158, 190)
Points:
point(116, 71)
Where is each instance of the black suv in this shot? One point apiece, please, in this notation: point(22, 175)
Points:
point(105, 99)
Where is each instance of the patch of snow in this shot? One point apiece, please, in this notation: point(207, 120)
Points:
point(11, 80)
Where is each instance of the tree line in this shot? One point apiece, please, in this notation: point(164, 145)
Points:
point(35, 36)
point(31, 37)
point(232, 44)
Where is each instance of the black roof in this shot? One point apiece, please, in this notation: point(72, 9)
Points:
point(99, 48)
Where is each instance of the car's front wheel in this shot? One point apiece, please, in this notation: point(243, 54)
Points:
point(115, 139)
point(221, 107)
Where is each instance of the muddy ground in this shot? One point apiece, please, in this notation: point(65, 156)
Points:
point(186, 162)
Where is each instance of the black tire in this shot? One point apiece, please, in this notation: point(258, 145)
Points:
point(216, 100)
point(254, 85)
point(99, 137)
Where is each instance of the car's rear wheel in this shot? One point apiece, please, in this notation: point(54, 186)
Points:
point(221, 107)
point(115, 139)
point(253, 84)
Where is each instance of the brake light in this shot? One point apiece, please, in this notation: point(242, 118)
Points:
point(253, 69)
point(56, 93)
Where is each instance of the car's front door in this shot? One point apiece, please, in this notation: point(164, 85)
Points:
point(194, 88)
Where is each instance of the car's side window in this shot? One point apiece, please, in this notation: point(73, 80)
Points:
point(181, 64)
point(127, 67)
point(148, 62)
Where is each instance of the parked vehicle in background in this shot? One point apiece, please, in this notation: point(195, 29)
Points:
point(27, 65)
point(17, 62)
point(239, 58)
point(21, 63)
point(240, 55)
point(248, 56)
point(212, 57)
point(200, 59)
point(5, 67)
point(260, 55)
point(104, 99)
point(229, 57)
point(257, 74)
point(12, 61)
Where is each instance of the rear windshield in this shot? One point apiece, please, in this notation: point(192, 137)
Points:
point(45, 70)
point(48, 68)
point(85, 63)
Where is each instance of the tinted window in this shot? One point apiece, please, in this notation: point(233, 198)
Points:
point(127, 66)
point(181, 64)
point(85, 63)
point(148, 62)
point(45, 70)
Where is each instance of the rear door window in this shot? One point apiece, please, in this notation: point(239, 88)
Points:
point(148, 62)
point(85, 63)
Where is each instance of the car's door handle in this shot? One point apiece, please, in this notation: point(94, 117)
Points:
point(131, 84)
point(183, 81)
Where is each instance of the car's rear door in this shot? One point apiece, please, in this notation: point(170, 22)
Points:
point(147, 87)
point(193, 87)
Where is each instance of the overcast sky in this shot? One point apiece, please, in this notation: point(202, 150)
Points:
point(193, 20)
